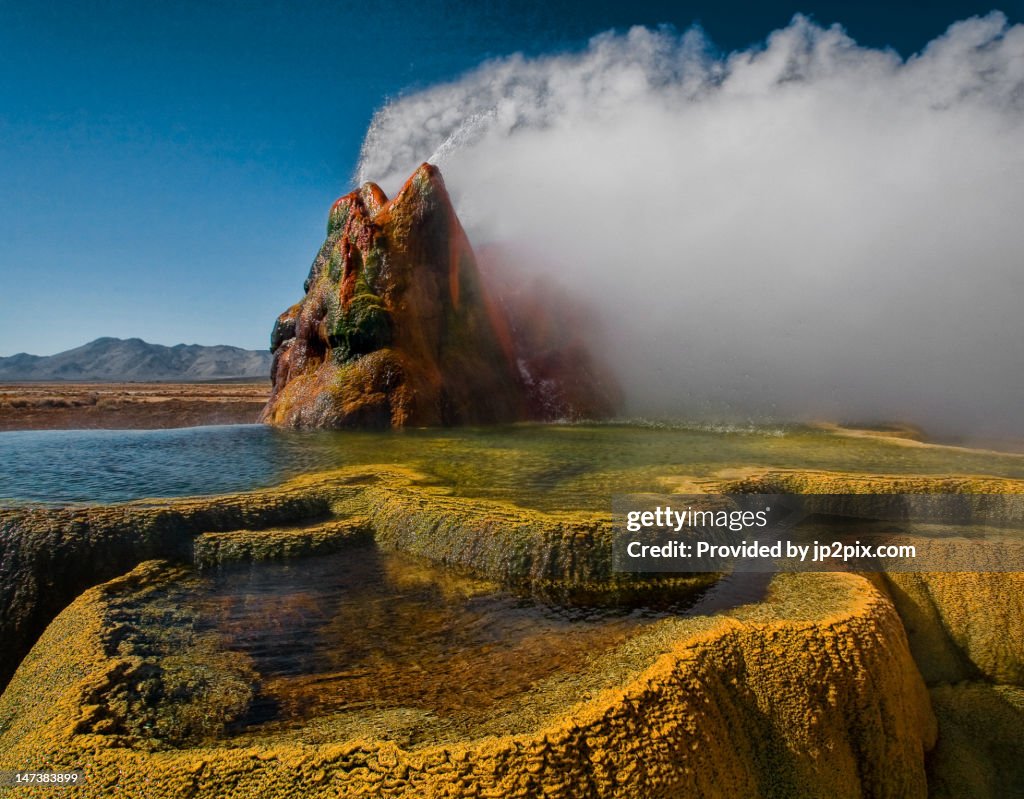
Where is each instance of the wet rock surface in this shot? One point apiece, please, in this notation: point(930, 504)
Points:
point(813, 685)
point(769, 699)
point(396, 329)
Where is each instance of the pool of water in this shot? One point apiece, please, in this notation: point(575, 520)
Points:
point(64, 466)
point(368, 631)
point(547, 466)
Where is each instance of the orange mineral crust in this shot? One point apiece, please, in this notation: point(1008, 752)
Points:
point(396, 330)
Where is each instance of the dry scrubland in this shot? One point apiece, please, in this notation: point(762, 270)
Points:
point(65, 406)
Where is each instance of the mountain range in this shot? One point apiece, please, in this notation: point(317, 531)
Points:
point(134, 360)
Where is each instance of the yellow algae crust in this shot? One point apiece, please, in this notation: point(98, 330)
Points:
point(49, 556)
point(211, 549)
point(979, 750)
point(963, 625)
point(560, 551)
point(789, 698)
point(803, 481)
point(812, 693)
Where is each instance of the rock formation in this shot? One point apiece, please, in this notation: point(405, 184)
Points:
point(395, 329)
point(811, 691)
point(811, 694)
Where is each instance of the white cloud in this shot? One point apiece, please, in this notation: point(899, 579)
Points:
point(809, 228)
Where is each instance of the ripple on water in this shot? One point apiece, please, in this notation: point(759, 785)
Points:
point(365, 629)
point(550, 467)
point(67, 466)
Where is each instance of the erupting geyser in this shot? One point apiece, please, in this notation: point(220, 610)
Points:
point(396, 329)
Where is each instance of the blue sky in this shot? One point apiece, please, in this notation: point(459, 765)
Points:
point(166, 169)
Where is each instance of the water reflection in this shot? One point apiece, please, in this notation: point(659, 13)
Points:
point(62, 466)
point(367, 629)
point(544, 466)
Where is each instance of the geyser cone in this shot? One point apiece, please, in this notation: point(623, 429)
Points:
point(395, 329)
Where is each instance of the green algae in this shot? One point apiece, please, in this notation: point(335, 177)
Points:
point(166, 683)
point(363, 327)
point(216, 549)
point(579, 467)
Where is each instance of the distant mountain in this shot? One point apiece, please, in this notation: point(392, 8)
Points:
point(122, 360)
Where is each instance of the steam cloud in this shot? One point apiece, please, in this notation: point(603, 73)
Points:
point(805, 229)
